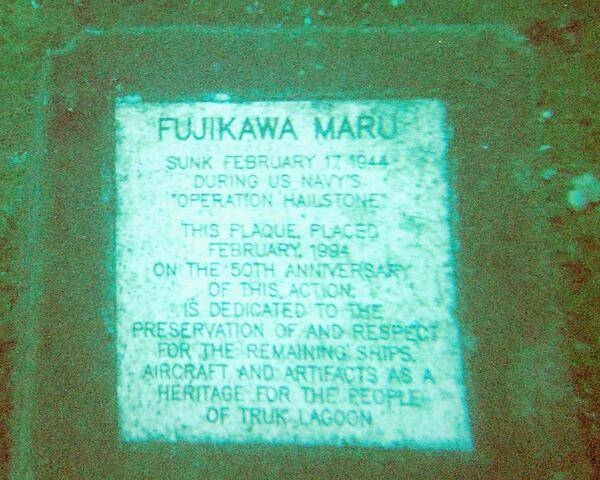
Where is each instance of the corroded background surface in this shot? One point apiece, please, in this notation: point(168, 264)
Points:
point(564, 36)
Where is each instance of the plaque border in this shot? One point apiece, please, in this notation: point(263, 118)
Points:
point(519, 397)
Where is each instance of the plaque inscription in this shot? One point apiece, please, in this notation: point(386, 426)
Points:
point(285, 274)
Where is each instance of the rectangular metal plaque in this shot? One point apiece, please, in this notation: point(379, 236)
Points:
point(285, 274)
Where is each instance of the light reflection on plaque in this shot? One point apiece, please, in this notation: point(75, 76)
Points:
point(285, 274)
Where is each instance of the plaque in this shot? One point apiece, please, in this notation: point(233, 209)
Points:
point(285, 274)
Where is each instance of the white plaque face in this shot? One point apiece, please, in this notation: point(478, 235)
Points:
point(285, 275)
